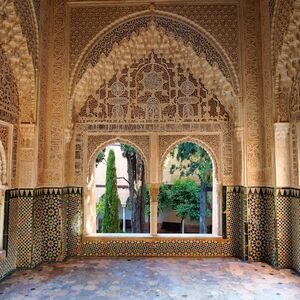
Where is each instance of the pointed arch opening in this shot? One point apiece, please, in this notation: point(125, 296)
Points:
point(189, 167)
point(117, 199)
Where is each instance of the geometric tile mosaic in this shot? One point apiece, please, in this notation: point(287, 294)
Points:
point(25, 234)
point(73, 196)
point(231, 246)
point(51, 224)
point(295, 208)
point(46, 225)
point(8, 263)
point(260, 221)
point(234, 219)
point(284, 228)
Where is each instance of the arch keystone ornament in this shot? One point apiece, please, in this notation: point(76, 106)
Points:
point(163, 44)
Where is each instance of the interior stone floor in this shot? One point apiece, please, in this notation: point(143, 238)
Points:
point(152, 278)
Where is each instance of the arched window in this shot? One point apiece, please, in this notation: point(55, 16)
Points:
point(186, 198)
point(120, 191)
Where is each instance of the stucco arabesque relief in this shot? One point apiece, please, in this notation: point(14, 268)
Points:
point(150, 103)
point(288, 64)
point(15, 46)
point(286, 77)
point(164, 43)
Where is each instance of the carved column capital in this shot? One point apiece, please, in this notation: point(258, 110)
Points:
point(68, 135)
point(27, 132)
point(238, 132)
point(281, 130)
point(154, 190)
point(282, 154)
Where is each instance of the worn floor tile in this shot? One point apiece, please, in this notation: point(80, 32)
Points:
point(152, 278)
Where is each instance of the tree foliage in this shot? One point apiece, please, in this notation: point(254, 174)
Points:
point(100, 157)
point(111, 221)
point(137, 187)
point(195, 161)
point(100, 206)
point(185, 199)
point(164, 199)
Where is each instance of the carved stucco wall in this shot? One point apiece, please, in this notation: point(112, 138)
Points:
point(286, 68)
point(19, 54)
point(221, 21)
point(54, 146)
point(44, 72)
point(9, 104)
point(26, 12)
point(280, 22)
point(9, 112)
point(294, 104)
point(285, 44)
point(15, 41)
point(101, 62)
point(266, 81)
point(153, 95)
point(254, 122)
point(211, 29)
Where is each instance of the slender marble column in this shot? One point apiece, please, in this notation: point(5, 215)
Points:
point(154, 190)
point(282, 154)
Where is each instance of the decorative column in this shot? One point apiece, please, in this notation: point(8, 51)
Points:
point(27, 170)
point(154, 190)
point(239, 162)
point(3, 188)
point(282, 154)
point(68, 160)
point(124, 217)
point(90, 207)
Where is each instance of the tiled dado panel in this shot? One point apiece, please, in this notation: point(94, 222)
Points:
point(73, 229)
point(8, 263)
point(230, 246)
point(235, 219)
point(51, 223)
point(60, 222)
point(283, 228)
point(295, 207)
point(260, 225)
point(24, 227)
point(44, 225)
point(288, 228)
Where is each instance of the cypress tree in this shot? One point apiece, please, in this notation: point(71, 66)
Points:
point(111, 221)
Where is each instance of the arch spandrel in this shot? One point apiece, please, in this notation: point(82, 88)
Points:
point(138, 45)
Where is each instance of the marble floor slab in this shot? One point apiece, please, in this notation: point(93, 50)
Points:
point(152, 278)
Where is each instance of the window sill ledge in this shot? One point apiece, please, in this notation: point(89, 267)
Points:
point(143, 236)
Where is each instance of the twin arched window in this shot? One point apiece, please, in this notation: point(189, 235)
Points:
point(122, 197)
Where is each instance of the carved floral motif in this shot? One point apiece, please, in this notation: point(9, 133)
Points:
point(149, 91)
point(139, 47)
point(15, 47)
